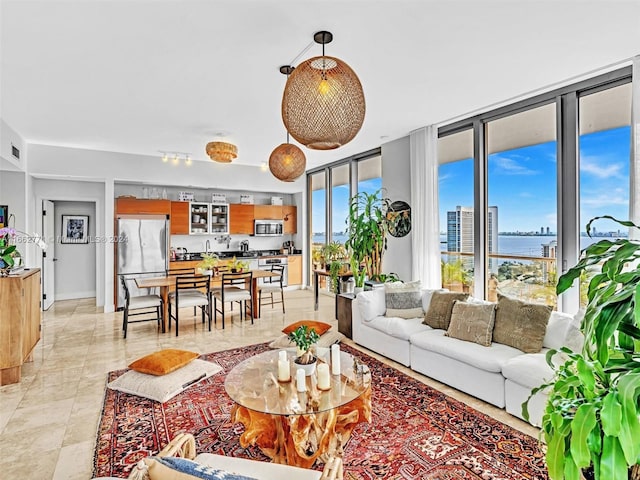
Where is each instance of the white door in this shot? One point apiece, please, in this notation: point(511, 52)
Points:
point(48, 256)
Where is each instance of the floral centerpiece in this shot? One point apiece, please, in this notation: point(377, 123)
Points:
point(209, 262)
point(8, 249)
point(237, 266)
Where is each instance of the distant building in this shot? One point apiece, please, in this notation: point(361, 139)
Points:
point(548, 231)
point(541, 230)
point(460, 233)
point(548, 251)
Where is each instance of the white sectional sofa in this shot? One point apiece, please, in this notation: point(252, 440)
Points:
point(498, 374)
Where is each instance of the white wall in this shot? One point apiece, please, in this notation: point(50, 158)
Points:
point(8, 138)
point(75, 268)
point(94, 192)
point(46, 160)
point(397, 182)
point(12, 194)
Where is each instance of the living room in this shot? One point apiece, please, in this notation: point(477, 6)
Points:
point(125, 84)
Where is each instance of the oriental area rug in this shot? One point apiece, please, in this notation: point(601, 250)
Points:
point(416, 432)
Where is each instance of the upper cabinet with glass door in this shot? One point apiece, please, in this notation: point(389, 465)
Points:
point(199, 218)
point(219, 218)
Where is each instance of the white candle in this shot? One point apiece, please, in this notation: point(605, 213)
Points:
point(324, 380)
point(301, 380)
point(335, 359)
point(282, 355)
point(284, 371)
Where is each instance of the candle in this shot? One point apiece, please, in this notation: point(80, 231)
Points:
point(335, 359)
point(324, 380)
point(301, 380)
point(282, 355)
point(284, 371)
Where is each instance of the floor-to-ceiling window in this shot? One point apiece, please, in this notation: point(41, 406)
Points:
point(605, 143)
point(340, 194)
point(521, 216)
point(541, 169)
point(317, 215)
point(455, 190)
point(328, 208)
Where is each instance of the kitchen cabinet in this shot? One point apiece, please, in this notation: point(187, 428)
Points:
point(19, 322)
point(290, 216)
point(137, 206)
point(219, 218)
point(241, 219)
point(209, 218)
point(180, 214)
point(295, 270)
point(267, 212)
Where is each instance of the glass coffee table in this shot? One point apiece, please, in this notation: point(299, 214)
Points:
point(297, 428)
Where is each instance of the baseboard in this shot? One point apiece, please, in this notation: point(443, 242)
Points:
point(75, 295)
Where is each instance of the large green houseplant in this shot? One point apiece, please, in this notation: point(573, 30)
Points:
point(591, 421)
point(367, 230)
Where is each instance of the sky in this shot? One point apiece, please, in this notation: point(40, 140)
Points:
point(522, 183)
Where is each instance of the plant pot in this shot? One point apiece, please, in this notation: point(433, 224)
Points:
point(309, 368)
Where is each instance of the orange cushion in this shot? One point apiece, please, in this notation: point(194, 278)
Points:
point(163, 362)
point(320, 327)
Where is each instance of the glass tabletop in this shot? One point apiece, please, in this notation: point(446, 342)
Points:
point(254, 384)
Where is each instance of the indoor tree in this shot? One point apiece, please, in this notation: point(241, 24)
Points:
point(591, 421)
point(367, 229)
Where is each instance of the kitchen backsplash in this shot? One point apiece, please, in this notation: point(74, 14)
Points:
point(196, 243)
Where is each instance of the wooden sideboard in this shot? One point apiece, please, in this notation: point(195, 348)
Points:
point(19, 322)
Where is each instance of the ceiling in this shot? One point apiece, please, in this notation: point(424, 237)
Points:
point(143, 76)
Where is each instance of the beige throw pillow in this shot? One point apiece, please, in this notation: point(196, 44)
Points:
point(521, 325)
point(439, 313)
point(472, 322)
point(403, 300)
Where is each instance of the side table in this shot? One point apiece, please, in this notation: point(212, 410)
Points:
point(343, 307)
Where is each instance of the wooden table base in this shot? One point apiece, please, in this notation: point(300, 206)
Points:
point(299, 440)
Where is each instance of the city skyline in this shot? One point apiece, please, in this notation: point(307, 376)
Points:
point(524, 180)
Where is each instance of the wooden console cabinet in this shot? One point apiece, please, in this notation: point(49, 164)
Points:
point(343, 306)
point(19, 322)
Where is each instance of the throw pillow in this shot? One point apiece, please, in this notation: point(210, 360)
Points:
point(371, 303)
point(165, 387)
point(403, 300)
point(319, 327)
point(439, 313)
point(163, 362)
point(520, 324)
point(177, 468)
point(472, 322)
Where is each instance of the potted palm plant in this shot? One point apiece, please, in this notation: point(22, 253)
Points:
point(591, 421)
point(304, 338)
point(367, 229)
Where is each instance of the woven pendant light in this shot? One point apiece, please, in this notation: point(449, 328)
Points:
point(222, 152)
point(287, 162)
point(323, 103)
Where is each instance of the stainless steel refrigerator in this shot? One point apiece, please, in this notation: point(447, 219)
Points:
point(142, 249)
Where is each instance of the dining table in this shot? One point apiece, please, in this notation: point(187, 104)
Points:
point(167, 283)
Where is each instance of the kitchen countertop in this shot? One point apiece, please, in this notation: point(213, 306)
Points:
point(238, 254)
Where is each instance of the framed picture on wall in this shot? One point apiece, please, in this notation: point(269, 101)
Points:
point(4, 215)
point(75, 229)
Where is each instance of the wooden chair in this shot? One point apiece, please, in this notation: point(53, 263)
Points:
point(271, 286)
point(150, 304)
point(175, 272)
point(191, 291)
point(232, 290)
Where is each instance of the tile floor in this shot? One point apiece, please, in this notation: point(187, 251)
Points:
point(48, 421)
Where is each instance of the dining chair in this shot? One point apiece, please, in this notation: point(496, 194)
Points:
point(232, 290)
point(271, 286)
point(190, 291)
point(150, 304)
point(175, 272)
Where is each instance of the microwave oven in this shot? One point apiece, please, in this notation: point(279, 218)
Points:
point(268, 228)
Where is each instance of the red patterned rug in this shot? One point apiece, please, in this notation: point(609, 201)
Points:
point(416, 432)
